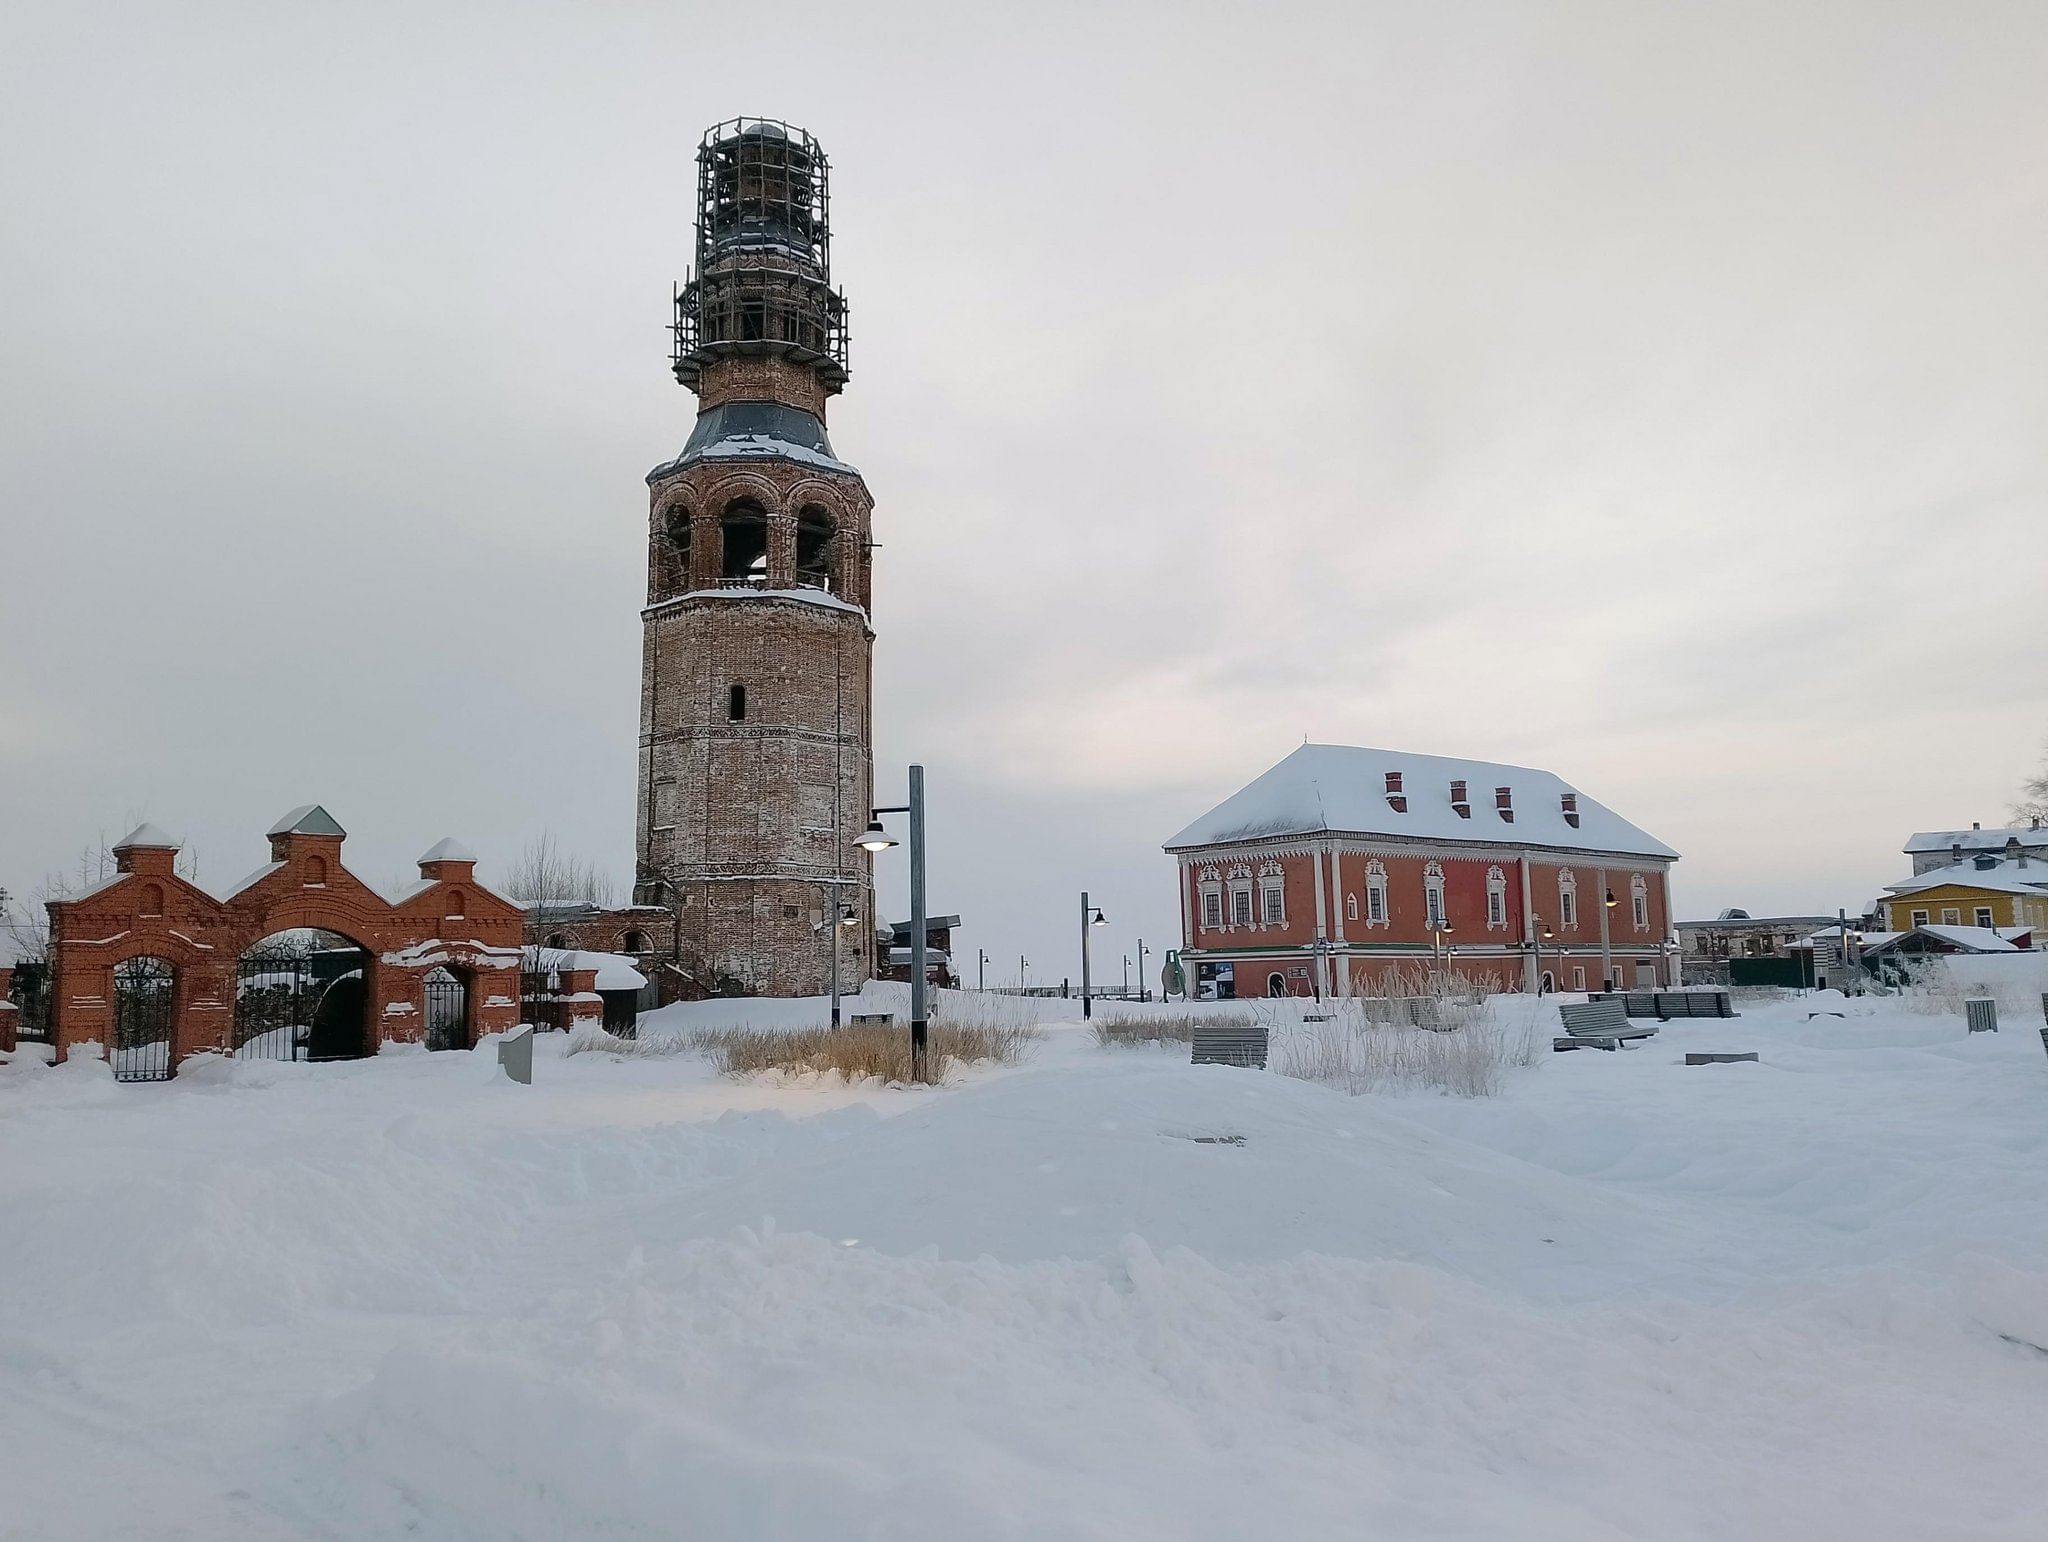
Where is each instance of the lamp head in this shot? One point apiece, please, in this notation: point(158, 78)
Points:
point(876, 838)
point(1100, 919)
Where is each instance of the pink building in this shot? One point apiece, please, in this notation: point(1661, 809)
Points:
point(1342, 870)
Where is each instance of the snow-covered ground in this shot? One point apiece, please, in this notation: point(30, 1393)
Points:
point(1103, 1295)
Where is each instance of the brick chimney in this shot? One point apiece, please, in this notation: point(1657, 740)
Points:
point(1570, 802)
point(1504, 804)
point(1461, 804)
point(1396, 799)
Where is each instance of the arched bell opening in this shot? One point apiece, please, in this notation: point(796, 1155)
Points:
point(672, 552)
point(817, 550)
point(743, 534)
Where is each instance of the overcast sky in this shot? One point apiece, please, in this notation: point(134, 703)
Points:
point(1653, 393)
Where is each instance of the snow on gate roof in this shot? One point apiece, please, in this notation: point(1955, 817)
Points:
point(1340, 789)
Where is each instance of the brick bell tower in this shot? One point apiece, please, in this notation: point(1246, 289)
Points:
point(755, 763)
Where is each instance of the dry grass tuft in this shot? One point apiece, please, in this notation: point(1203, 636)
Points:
point(877, 1051)
point(1137, 1028)
point(1359, 1054)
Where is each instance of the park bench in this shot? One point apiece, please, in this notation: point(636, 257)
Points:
point(1665, 1005)
point(874, 1017)
point(1603, 1024)
point(1230, 1045)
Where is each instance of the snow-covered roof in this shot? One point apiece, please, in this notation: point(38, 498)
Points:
point(1973, 839)
point(2003, 878)
point(254, 878)
point(448, 849)
point(147, 837)
point(821, 597)
point(1339, 789)
point(615, 971)
point(1978, 939)
point(1743, 918)
point(307, 819)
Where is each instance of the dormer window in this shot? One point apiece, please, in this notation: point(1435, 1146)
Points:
point(1504, 804)
point(1461, 802)
point(1397, 800)
point(1570, 802)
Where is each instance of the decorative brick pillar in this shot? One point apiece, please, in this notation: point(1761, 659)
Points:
point(205, 1004)
point(9, 1013)
point(494, 1001)
point(576, 999)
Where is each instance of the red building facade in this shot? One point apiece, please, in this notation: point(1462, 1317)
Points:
point(1347, 872)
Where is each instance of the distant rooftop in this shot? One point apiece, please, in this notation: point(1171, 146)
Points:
point(1342, 790)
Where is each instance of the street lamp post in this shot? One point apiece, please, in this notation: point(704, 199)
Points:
point(1144, 990)
point(1089, 917)
point(1023, 974)
point(1441, 931)
point(837, 915)
point(878, 839)
point(981, 969)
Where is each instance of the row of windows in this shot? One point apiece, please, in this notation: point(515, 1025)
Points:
point(1952, 915)
point(1273, 899)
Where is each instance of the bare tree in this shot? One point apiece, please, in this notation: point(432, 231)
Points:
point(549, 881)
point(2033, 805)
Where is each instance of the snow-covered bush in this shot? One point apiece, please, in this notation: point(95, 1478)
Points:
point(1938, 987)
point(1359, 1054)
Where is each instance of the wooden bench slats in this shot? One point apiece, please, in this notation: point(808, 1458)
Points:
point(1230, 1046)
point(1602, 1022)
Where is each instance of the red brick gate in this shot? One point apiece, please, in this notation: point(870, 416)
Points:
point(444, 924)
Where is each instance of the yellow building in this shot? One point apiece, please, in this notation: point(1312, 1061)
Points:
point(1981, 893)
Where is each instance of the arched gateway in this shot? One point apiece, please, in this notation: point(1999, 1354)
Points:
point(300, 961)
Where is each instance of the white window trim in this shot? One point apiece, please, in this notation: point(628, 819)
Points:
point(1376, 895)
point(1989, 917)
point(1271, 889)
point(1496, 900)
point(1436, 912)
point(1639, 902)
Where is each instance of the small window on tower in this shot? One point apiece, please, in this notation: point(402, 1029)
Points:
point(736, 704)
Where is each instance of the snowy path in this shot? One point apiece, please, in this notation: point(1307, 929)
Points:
point(1626, 1300)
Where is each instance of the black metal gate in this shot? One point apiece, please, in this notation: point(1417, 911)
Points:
point(447, 1010)
point(144, 989)
point(31, 996)
point(302, 995)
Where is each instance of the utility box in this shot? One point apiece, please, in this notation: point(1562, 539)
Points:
point(515, 1054)
point(1982, 1014)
